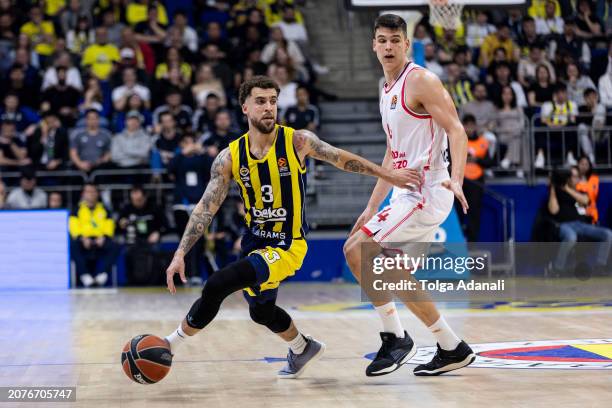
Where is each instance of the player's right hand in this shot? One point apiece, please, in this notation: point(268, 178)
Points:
point(365, 216)
point(176, 266)
point(405, 178)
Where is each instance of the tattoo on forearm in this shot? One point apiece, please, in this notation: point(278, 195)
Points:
point(356, 166)
point(318, 148)
point(213, 197)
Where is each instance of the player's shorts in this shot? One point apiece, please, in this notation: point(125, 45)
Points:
point(413, 217)
point(274, 264)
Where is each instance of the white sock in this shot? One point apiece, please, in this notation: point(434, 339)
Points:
point(176, 338)
point(298, 344)
point(446, 337)
point(390, 319)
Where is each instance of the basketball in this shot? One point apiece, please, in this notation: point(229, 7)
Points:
point(146, 359)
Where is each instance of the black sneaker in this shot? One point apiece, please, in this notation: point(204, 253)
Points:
point(445, 360)
point(392, 354)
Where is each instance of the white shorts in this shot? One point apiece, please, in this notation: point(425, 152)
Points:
point(411, 217)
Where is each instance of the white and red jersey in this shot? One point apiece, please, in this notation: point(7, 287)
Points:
point(415, 139)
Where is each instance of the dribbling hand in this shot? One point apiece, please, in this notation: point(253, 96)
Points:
point(365, 216)
point(176, 266)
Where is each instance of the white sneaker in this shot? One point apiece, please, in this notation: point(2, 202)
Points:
point(539, 161)
point(87, 280)
point(570, 160)
point(505, 163)
point(101, 278)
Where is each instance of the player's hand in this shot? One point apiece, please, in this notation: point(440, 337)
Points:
point(457, 190)
point(365, 216)
point(176, 266)
point(405, 178)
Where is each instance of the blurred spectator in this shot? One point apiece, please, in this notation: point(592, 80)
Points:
point(48, 145)
point(73, 76)
point(174, 80)
point(541, 90)
point(577, 83)
point(458, 85)
point(94, 98)
point(69, 17)
point(174, 39)
point(55, 200)
point(27, 196)
point(499, 39)
point(79, 38)
point(131, 148)
point(431, 60)
point(62, 98)
point(173, 60)
point(204, 118)
point(528, 65)
point(222, 134)
point(421, 35)
point(568, 207)
point(463, 58)
point(28, 94)
point(287, 95)
point(114, 27)
point(588, 24)
point(303, 115)
point(142, 55)
point(13, 153)
point(166, 141)
point(129, 87)
point(529, 37)
point(141, 223)
point(591, 119)
point(510, 127)
point(485, 114)
point(188, 34)
point(207, 83)
point(569, 43)
point(292, 29)
point(191, 170)
point(40, 31)
point(182, 113)
point(101, 56)
point(589, 184)
point(92, 229)
point(214, 35)
point(502, 77)
point(550, 22)
point(133, 103)
point(477, 161)
point(605, 81)
point(448, 42)
point(277, 40)
point(150, 31)
point(31, 75)
point(22, 116)
point(211, 54)
point(558, 113)
point(139, 11)
point(90, 146)
point(478, 30)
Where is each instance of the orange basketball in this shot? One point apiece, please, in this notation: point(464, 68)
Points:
point(146, 359)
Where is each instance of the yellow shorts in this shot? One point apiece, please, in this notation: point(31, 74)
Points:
point(280, 263)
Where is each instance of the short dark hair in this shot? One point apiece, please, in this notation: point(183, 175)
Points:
point(391, 21)
point(259, 81)
point(589, 91)
point(469, 118)
point(560, 87)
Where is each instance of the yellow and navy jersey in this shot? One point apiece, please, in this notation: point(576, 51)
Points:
point(273, 190)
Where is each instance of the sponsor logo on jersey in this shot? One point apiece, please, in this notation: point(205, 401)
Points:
point(585, 354)
point(268, 234)
point(393, 102)
point(262, 215)
point(245, 176)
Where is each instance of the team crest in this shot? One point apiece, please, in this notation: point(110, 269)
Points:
point(393, 102)
point(244, 171)
point(586, 354)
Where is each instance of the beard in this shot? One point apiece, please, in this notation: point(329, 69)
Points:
point(259, 125)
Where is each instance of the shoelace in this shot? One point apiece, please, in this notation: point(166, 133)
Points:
point(291, 361)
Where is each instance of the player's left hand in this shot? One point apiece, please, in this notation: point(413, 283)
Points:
point(405, 178)
point(457, 190)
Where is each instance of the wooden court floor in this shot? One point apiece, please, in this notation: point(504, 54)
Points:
point(74, 338)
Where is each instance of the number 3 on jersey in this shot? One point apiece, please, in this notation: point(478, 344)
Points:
point(271, 256)
point(266, 194)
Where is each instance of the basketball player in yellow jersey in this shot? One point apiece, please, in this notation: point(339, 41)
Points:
point(267, 164)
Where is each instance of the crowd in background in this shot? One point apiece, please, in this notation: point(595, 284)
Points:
point(141, 85)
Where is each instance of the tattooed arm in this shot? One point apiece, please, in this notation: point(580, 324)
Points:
point(308, 144)
point(202, 215)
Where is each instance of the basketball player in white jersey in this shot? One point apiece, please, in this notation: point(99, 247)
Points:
point(418, 116)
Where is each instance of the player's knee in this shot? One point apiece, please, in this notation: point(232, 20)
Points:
point(351, 250)
point(261, 315)
point(214, 288)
